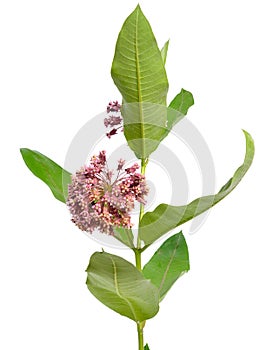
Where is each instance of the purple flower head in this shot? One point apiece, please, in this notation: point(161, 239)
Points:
point(98, 200)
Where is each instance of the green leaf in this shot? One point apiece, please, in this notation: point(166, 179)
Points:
point(137, 68)
point(166, 217)
point(120, 286)
point(146, 347)
point(177, 109)
point(181, 103)
point(139, 74)
point(169, 262)
point(164, 52)
point(125, 236)
point(49, 172)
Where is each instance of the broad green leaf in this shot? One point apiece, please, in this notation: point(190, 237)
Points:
point(120, 286)
point(138, 72)
point(146, 347)
point(164, 52)
point(137, 69)
point(169, 262)
point(48, 171)
point(167, 217)
point(125, 236)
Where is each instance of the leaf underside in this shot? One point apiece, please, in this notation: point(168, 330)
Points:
point(138, 72)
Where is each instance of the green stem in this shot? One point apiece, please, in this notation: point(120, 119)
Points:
point(143, 168)
point(138, 251)
point(140, 326)
point(138, 258)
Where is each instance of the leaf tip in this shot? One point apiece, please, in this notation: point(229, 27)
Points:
point(138, 8)
point(249, 139)
point(246, 133)
point(23, 150)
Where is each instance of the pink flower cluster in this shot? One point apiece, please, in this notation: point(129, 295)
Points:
point(114, 118)
point(98, 200)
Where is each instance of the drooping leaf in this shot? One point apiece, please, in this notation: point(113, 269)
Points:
point(164, 52)
point(169, 262)
point(125, 236)
point(49, 172)
point(120, 286)
point(167, 217)
point(139, 74)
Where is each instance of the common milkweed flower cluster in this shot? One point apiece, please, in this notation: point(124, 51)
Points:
point(98, 200)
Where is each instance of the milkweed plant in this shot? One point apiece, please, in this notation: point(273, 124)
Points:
point(102, 199)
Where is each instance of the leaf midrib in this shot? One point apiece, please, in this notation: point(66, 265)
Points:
point(169, 264)
point(139, 85)
point(118, 291)
point(50, 179)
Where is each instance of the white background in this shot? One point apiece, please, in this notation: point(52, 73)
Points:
point(55, 75)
